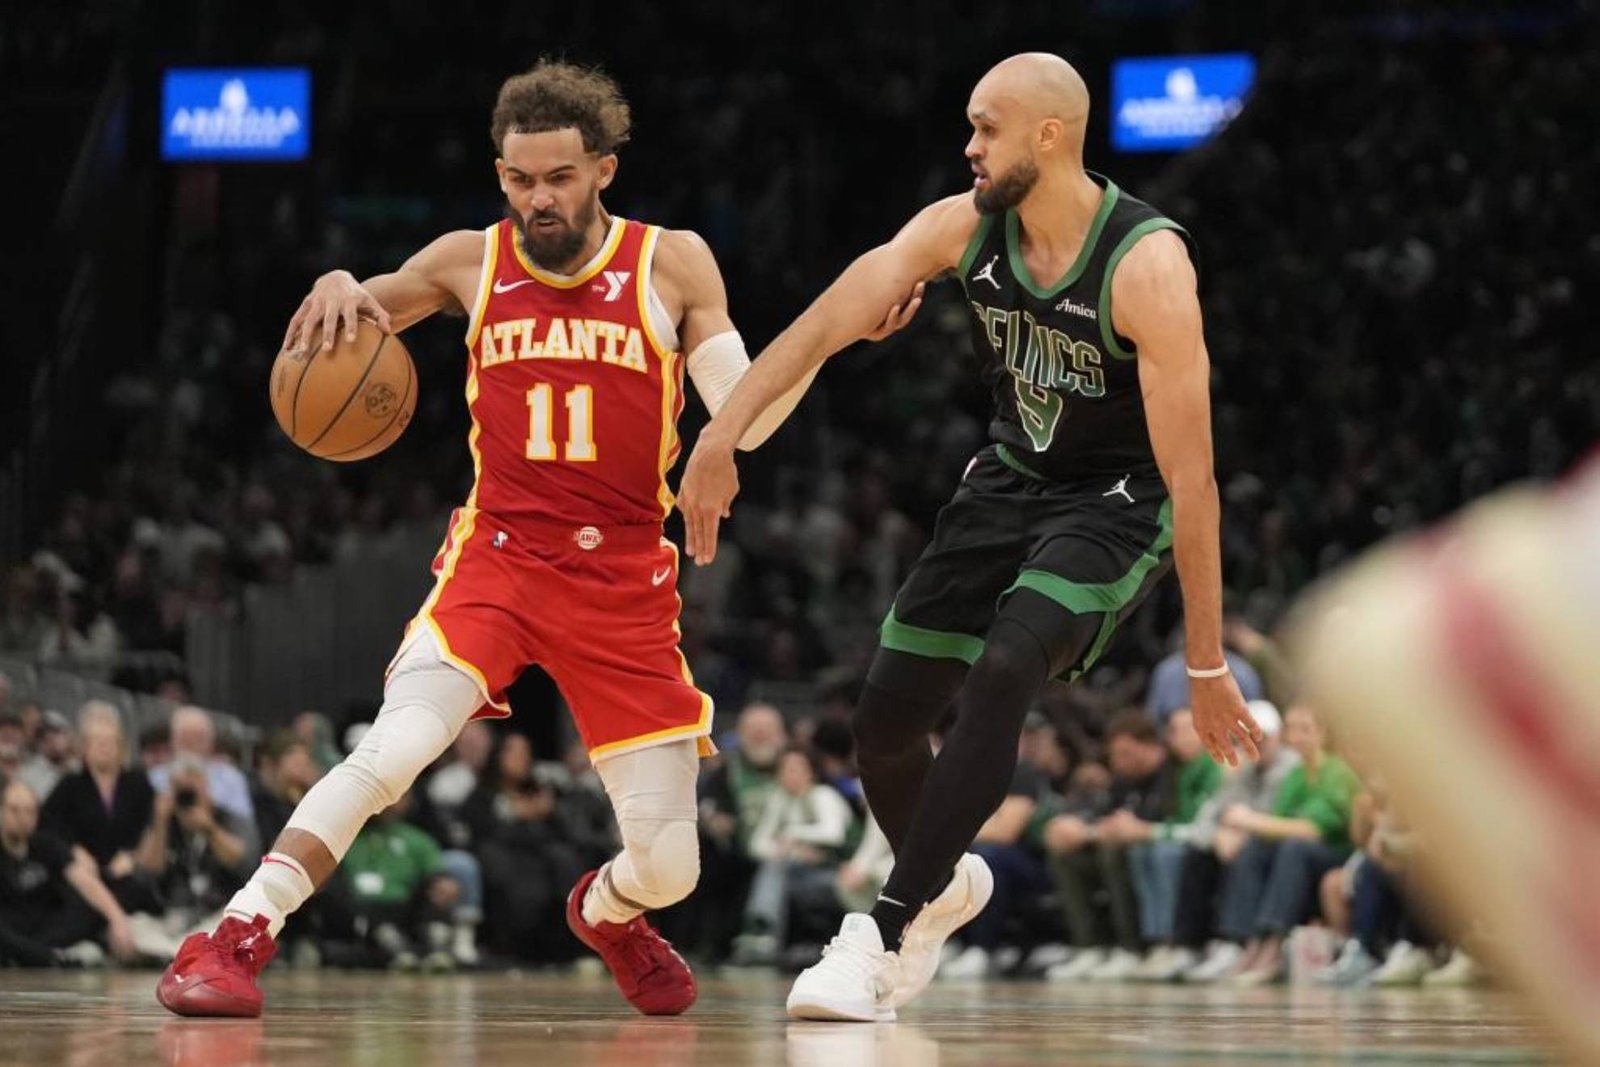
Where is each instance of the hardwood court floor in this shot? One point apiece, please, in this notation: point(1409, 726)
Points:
point(548, 1020)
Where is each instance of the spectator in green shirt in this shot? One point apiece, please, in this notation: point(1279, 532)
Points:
point(399, 892)
point(1272, 886)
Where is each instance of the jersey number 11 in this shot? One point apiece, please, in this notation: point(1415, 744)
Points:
point(580, 424)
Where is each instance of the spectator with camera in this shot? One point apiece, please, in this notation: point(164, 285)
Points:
point(197, 853)
point(194, 735)
point(55, 755)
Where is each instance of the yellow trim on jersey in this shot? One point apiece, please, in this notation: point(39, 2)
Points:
point(669, 369)
point(700, 729)
point(476, 430)
point(457, 539)
point(619, 226)
point(491, 258)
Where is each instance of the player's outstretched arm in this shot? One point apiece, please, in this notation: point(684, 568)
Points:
point(1154, 302)
point(441, 275)
point(687, 271)
point(850, 309)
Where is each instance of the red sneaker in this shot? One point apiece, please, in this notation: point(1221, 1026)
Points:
point(215, 973)
point(646, 967)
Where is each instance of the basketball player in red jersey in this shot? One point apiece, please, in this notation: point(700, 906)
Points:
point(578, 322)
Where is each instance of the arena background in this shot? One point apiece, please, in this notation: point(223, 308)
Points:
point(1398, 242)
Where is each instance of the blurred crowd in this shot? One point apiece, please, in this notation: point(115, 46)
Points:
point(1119, 854)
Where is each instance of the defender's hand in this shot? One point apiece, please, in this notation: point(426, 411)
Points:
point(899, 316)
point(337, 298)
point(1222, 720)
point(705, 495)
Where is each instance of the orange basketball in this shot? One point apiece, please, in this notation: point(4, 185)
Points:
point(350, 401)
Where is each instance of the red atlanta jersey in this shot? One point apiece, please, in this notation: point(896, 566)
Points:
point(573, 388)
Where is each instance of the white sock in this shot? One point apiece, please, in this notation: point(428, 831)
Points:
point(277, 889)
point(601, 903)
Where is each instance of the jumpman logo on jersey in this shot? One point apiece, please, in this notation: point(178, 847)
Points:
point(987, 273)
point(1120, 487)
point(500, 538)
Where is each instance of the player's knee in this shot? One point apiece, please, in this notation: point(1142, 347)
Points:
point(882, 724)
point(667, 866)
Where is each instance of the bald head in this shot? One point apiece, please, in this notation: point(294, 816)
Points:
point(1042, 85)
point(1028, 116)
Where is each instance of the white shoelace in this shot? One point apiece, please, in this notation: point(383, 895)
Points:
point(870, 967)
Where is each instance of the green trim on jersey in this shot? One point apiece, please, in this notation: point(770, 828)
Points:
point(898, 636)
point(1108, 332)
point(1083, 599)
point(1020, 269)
point(1009, 458)
point(1108, 626)
point(978, 237)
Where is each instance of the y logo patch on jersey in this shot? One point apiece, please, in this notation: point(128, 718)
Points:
point(987, 273)
point(1120, 487)
point(617, 280)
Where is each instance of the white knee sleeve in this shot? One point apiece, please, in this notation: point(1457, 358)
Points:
point(652, 792)
point(425, 704)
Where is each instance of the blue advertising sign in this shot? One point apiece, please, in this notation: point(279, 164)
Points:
point(244, 113)
point(1161, 103)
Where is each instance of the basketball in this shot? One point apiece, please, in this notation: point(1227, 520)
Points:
point(347, 402)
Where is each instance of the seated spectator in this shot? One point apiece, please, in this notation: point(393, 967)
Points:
point(54, 756)
point(1143, 782)
point(155, 748)
point(528, 864)
point(316, 731)
point(1156, 849)
point(1370, 901)
point(834, 744)
point(801, 836)
point(52, 903)
point(1212, 846)
point(399, 892)
point(1272, 885)
point(860, 878)
point(455, 778)
point(12, 752)
point(585, 810)
point(733, 794)
point(198, 853)
point(193, 734)
point(285, 772)
point(106, 808)
point(1013, 855)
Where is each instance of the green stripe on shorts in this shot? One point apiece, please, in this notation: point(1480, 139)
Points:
point(898, 636)
point(1082, 598)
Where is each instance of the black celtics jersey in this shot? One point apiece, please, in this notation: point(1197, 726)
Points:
point(1066, 385)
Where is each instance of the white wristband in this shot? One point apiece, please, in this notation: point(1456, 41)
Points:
point(1209, 672)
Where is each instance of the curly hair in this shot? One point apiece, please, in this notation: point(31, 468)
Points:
point(556, 95)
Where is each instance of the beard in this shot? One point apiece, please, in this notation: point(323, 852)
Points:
point(1008, 190)
point(555, 248)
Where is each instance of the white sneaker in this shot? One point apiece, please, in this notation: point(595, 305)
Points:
point(1353, 967)
point(1118, 967)
point(973, 962)
point(854, 979)
point(464, 947)
point(1174, 964)
point(1078, 967)
point(968, 893)
point(1407, 965)
point(1222, 959)
point(1154, 965)
point(1044, 957)
point(1460, 970)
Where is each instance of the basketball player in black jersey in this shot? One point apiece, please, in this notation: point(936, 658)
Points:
point(1100, 474)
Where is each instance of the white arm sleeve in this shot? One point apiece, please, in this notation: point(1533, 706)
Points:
point(718, 364)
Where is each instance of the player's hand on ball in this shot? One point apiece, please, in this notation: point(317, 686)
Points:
point(336, 300)
point(1222, 720)
point(899, 316)
point(705, 495)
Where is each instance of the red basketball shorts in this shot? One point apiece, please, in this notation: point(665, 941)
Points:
point(596, 607)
